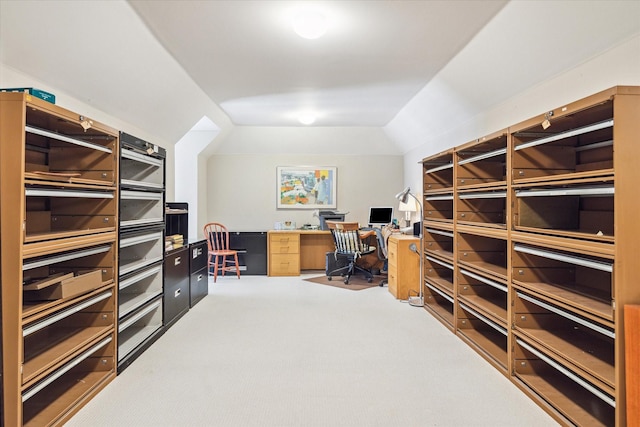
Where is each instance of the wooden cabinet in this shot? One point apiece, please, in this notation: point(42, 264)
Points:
point(529, 262)
point(58, 259)
point(632, 357)
point(403, 266)
point(284, 253)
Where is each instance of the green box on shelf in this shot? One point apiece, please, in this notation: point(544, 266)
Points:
point(49, 97)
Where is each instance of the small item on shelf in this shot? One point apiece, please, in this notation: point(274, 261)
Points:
point(285, 225)
point(59, 286)
point(173, 242)
point(49, 97)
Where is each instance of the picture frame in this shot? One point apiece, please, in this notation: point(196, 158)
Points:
point(307, 187)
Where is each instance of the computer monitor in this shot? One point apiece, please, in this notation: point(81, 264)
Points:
point(379, 216)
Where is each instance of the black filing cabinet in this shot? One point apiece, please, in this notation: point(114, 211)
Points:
point(252, 251)
point(176, 285)
point(198, 278)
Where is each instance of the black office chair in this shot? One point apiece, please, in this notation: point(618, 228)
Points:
point(380, 236)
point(350, 245)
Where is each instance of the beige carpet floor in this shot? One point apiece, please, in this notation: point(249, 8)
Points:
point(280, 352)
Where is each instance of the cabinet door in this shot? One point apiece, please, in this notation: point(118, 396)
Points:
point(176, 286)
point(252, 251)
point(284, 265)
point(392, 251)
point(198, 286)
point(197, 256)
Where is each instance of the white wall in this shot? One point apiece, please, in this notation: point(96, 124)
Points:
point(619, 65)
point(242, 190)
point(241, 178)
point(10, 77)
point(188, 186)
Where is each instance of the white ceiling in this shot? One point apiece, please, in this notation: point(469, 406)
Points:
point(164, 65)
point(375, 56)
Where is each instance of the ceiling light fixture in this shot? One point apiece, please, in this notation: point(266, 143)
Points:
point(307, 118)
point(310, 24)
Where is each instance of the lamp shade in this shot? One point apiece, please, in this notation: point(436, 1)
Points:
point(408, 206)
point(403, 196)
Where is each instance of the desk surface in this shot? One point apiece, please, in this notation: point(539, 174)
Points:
point(299, 231)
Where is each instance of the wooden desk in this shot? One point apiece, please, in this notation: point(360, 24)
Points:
point(290, 251)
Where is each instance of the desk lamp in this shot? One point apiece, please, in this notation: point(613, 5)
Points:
point(407, 208)
point(403, 197)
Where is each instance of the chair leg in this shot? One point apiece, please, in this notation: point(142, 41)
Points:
point(235, 257)
point(366, 272)
point(224, 265)
point(349, 273)
point(215, 268)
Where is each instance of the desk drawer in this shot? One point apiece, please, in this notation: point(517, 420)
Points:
point(284, 244)
point(284, 265)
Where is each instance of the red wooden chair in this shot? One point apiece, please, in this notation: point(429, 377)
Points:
point(217, 237)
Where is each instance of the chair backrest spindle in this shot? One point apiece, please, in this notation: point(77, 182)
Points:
point(217, 236)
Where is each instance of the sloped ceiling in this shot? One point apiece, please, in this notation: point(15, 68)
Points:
point(375, 56)
point(163, 65)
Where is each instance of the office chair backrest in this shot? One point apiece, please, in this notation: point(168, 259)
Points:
point(346, 237)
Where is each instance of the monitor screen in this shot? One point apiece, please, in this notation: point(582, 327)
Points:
point(380, 215)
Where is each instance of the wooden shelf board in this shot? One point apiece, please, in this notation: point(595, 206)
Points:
point(441, 313)
point(49, 247)
point(488, 185)
point(567, 294)
point(38, 310)
point(488, 343)
point(35, 179)
point(486, 267)
point(53, 235)
point(61, 397)
point(62, 344)
point(565, 177)
point(575, 234)
point(494, 308)
point(593, 357)
point(446, 255)
point(66, 180)
point(443, 284)
point(564, 395)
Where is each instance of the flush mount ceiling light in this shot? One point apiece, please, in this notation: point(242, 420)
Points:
point(307, 118)
point(310, 24)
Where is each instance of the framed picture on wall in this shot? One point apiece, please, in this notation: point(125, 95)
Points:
point(306, 187)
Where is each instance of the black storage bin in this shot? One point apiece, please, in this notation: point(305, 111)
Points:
point(333, 264)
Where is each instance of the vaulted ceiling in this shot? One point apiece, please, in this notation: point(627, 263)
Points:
point(163, 65)
point(374, 57)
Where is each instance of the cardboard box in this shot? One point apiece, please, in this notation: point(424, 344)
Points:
point(62, 286)
point(49, 97)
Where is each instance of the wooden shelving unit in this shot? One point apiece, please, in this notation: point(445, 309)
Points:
point(58, 259)
point(530, 264)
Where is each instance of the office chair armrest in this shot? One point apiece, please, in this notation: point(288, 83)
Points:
point(366, 234)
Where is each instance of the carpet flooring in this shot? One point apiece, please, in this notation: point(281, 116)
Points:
point(284, 352)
